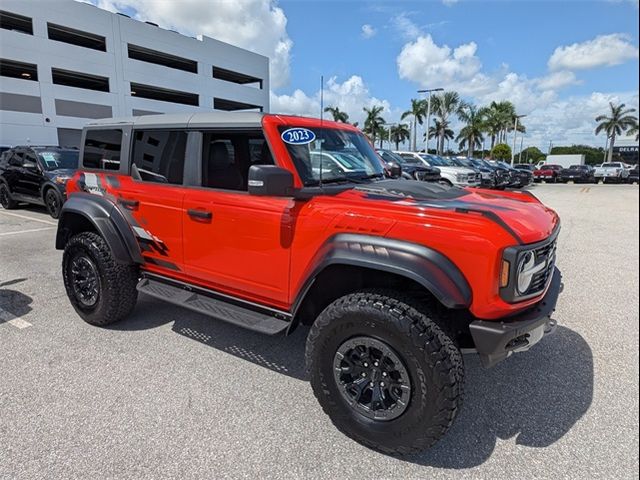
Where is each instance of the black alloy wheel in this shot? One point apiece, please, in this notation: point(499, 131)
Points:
point(53, 203)
point(85, 280)
point(372, 378)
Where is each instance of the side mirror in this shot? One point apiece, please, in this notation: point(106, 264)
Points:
point(269, 180)
point(395, 170)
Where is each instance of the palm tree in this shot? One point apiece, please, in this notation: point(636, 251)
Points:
point(633, 130)
point(471, 134)
point(418, 112)
point(615, 123)
point(383, 134)
point(400, 133)
point(440, 130)
point(443, 106)
point(501, 117)
point(337, 114)
point(373, 121)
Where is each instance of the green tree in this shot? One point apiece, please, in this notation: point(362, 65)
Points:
point(500, 119)
point(400, 133)
point(617, 121)
point(373, 122)
point(417, 112)
point(633, 130)
point(440, 130)
point(531, 155)
point(471, 134)
point(501, 151)
point(337, 114)
point(444, 106)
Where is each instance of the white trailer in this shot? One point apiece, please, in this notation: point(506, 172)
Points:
point(565, 161)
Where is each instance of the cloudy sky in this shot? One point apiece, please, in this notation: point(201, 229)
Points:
point(559, 62)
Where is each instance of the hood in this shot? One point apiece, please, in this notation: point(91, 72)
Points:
point(519, 213)
point(60, 172)
point(419, 168)
point(454, 170)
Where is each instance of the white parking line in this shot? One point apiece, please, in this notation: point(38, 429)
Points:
point(4, 212)
point(13, 320)
point(26, 231)
point(19, 323)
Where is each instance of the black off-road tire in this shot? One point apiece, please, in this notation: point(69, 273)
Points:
point(432, 360)
point(53, 201)
point(116, 283)
point(5, 198)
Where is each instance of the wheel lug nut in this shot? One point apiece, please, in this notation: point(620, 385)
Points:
point(375, 364)
point(363, 374)
point(366, 364)
point(384, 374)
point(371, 384)
point(382, 384)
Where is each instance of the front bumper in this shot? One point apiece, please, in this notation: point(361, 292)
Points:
point(496, 340)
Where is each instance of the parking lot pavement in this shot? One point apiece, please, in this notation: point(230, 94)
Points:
point(172, 394)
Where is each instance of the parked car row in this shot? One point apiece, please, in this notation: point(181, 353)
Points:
point(456, 171)
point(615, 172)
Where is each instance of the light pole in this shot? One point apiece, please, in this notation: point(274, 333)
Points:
point(521, 145)
point(515, 134)
point(428, 92)
point(389, 136)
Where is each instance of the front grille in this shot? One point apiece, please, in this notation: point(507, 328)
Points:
point(546, 253)
point(426, 176)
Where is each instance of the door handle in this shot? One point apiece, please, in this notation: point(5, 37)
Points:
point(200, 214)
point(129, 204)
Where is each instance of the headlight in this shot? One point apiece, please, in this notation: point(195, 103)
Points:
point(61, 180)
point(460, 177)
point(527, 268)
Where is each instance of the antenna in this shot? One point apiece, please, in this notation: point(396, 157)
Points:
point(321, 126)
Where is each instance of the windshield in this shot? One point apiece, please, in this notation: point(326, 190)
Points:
point(58, 159)
point(576, 167)
point(611, 165)
point(435, 160)
point(389, 157)
point(466, 162)
point(341, 156)
point(482, 163)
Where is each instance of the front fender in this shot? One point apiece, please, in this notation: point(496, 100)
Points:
point(106, 219)
point(429, 268)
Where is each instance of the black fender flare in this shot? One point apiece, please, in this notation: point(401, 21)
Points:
point(427, 267)
point(108, 221)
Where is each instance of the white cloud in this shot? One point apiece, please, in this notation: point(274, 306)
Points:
point(424, 62)
point(349, 96)
point(405, 26)
point(572, 120)
point(368, 31)
point(604, 50)
point(257, 25)
point(558, 80)
point(449, 3)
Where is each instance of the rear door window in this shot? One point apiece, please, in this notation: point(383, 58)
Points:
point(159, 156)
point(102, 149)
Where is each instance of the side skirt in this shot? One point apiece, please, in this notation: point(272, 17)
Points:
point(225, 308)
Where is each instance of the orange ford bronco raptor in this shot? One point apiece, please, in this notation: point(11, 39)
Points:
point(270, 221)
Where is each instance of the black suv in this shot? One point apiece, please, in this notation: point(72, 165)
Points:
point(36, 175)
point(412, 169)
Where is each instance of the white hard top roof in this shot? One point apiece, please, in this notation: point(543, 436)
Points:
point(198, 119)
